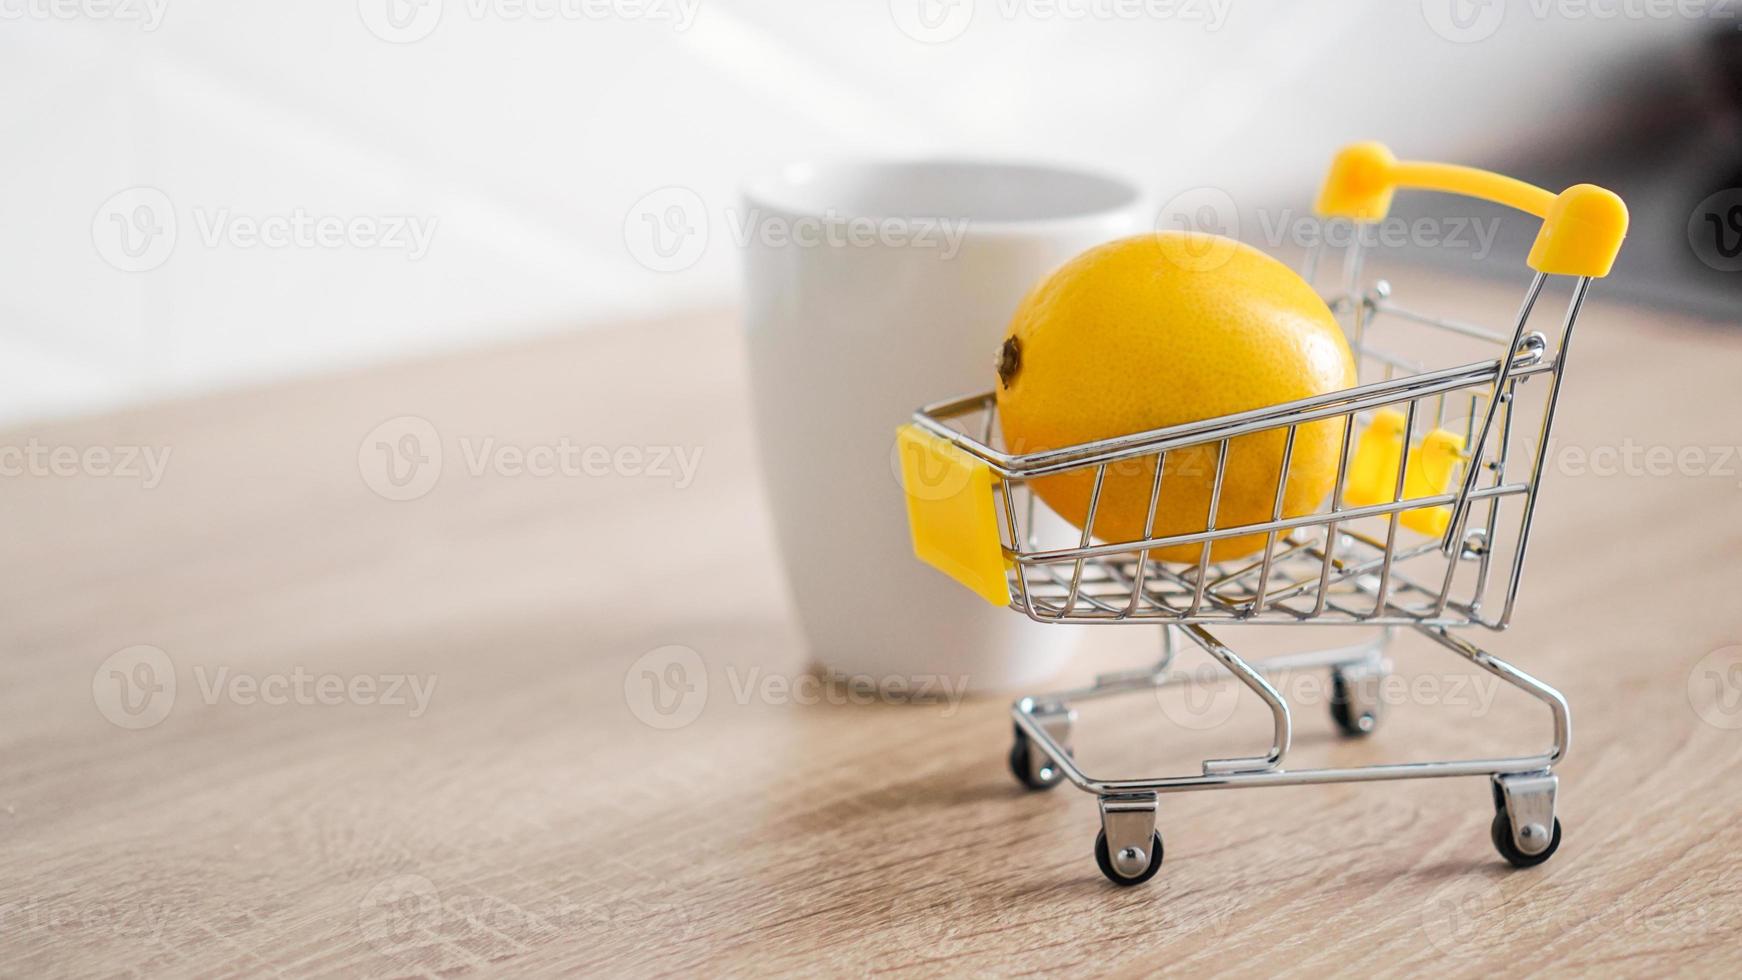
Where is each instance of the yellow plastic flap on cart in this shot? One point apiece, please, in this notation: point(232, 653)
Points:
point(1429, 474)
point(951, 513)
point(1372, 477)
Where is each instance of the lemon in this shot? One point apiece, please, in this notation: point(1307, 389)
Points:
point(1159, 330)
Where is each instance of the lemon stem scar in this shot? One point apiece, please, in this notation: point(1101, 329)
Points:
point(1009, 361)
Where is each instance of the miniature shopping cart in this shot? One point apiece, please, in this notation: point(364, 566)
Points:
point(1426, 527)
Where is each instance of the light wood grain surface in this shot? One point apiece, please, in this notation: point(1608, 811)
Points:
point(527, 820)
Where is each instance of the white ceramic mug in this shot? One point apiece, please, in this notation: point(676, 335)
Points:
point(874, 288)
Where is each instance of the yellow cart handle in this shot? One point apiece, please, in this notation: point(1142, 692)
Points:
point(1582, 226)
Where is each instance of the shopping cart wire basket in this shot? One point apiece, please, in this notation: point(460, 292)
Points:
point(1426, 527)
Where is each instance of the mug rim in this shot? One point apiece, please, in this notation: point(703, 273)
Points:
point(774, 190)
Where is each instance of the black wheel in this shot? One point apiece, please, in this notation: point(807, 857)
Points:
point(1501, 833)
point(1347, 723)
point(1105, 860)
point(1020, 757)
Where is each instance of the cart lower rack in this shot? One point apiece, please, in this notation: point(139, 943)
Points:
point(1377, 553)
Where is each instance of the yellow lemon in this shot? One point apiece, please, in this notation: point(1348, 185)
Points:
point(1159, 330)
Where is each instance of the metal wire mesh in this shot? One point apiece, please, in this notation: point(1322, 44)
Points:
point(1337, 563)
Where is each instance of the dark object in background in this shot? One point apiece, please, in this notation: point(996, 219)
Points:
point(1665, 134)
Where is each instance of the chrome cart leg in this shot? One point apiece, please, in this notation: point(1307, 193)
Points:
point(1526, 831)
point(1557, 704)
point(1035, 765)
point(1355, 701)
point(1282, 726)
point(1128, 848)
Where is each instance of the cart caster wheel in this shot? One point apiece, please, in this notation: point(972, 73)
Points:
point(1105, 860)
point(1046, 776)
point(1354, 721)
point(1501, 833)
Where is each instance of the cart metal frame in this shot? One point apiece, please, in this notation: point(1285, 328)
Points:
point(1339, 564)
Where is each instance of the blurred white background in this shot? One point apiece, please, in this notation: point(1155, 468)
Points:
point(456, 172)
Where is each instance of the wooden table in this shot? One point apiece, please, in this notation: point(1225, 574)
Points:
point(296, 813)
